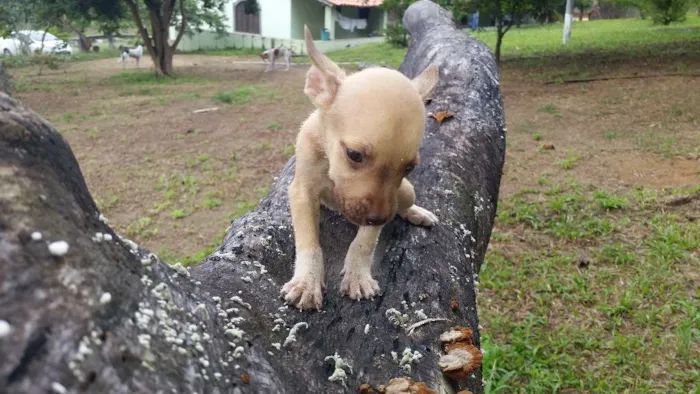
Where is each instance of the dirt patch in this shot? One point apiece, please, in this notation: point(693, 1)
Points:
point(165, 176)
point(620, 133)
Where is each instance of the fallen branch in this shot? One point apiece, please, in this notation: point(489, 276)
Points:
point(683, 199)
point(595, 79)
point(200, 111)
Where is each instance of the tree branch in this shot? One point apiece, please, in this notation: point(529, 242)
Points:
point(170, 7)
point(508, 26)
point(183, 26)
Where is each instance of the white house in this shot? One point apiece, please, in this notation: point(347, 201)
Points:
point(333, 23)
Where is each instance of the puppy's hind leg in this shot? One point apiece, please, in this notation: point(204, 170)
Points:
point(411, 212)
point(357, 280)
point(305, 287)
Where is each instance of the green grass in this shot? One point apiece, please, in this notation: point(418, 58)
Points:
point(243, 95)
point(33, 60)
point(607, 201)
point(382, 54)
point(625, 36)
point(569, 162)
point(614, 35)
point(243, 52)
point(179, 214)
point(141, 228)
point(289, 150)
point(658, 142)
point(608, 312)
point(144, 79)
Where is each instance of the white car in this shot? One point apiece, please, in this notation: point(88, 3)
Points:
point(10, 46)
point(51, 43)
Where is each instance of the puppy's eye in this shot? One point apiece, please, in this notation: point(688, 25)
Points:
point(354, 155)
point(410, 168)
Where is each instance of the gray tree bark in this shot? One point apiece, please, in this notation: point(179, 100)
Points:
point(5, 85)
point(109, 317)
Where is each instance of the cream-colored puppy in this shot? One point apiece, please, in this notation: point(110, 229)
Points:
point(352, 155)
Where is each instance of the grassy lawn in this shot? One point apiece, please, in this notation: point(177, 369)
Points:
point(616, 35)
point(611, 306)
point(626, 36)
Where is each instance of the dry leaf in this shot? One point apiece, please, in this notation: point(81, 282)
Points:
point(457, 334)
point(245, 378)
point(405, 386)
point(441, 116)
point(548, 146)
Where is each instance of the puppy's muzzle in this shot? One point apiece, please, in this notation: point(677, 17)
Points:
point(374, 219)
point(362, 211)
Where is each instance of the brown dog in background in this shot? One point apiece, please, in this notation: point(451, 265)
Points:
point(352, 155)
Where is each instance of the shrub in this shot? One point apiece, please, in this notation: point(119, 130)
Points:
point(666, 11)
point(396, 35)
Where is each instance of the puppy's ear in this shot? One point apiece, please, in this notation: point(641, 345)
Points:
point(323, 78)
point(426, 81)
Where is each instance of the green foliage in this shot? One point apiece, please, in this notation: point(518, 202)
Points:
point(239, 96)
point(396, 33)
point(666, 11)
point(608, 201)
point(251, 7)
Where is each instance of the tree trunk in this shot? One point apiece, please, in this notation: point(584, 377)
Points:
point(165, 60)
point(567, 21)
point(5, 85)
point(83, 41)
point(499, 41)
point(108, 317)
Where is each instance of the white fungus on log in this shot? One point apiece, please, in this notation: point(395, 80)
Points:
point(105, 298)
point(340, 367)
point(58, 388)
point(292, 337)
point(5, 328)
point(58, 248)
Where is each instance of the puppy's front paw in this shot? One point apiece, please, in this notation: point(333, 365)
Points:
point(304, 292)
point(419, 216)
point(359, 285)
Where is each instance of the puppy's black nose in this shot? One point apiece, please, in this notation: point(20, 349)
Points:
point(374, 220)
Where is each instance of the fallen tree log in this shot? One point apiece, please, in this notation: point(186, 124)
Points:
point(5, 85)
point(83, 310)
